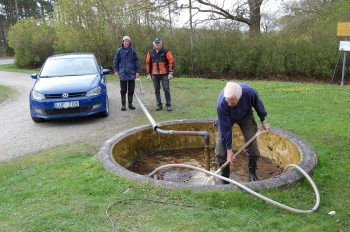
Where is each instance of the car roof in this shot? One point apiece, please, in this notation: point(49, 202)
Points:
point(72, 55)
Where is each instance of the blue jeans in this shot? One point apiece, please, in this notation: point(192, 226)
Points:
point(165, 84)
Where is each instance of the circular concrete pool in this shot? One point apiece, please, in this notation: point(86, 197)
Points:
point(281, 146)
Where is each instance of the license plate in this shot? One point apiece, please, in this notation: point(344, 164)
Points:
point(71, 104)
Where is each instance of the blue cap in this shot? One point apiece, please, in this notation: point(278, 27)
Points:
point(157, 40)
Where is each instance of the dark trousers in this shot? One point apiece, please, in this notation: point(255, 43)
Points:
point(157, 79)
point(249, 128)
point(127, 87)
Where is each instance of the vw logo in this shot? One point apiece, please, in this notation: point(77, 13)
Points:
point(65, 95)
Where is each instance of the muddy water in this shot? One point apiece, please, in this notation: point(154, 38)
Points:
point(195, 156)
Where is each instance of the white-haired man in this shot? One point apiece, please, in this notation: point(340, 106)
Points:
point(235, 105)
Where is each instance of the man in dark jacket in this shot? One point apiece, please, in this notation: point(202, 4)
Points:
point(127, 68)
point(235, 105)
point(159, 68)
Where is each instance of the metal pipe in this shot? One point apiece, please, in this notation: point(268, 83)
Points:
point(157, 129)
point(151, 120)
point(205, 134)
point(344, 69)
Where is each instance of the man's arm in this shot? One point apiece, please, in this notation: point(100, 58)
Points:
point(260, 110)
point(225, 127)
point(148, 63)
point(116, 63)
point(170, 59)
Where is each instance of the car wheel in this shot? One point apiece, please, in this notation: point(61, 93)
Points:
point(37, 120)
point(106, 112)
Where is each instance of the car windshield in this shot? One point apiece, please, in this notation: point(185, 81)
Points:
point(69, 67)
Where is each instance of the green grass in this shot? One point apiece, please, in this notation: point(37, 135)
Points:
point(13, 68)
point(5, 91)
point(67, 189)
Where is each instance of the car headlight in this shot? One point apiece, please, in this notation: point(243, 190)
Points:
point(38, 96)
point(94, 92)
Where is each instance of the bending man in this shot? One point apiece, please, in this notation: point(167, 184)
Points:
point(235, 105)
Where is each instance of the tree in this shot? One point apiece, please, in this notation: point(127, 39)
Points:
point(26, 9)
point(247, 12)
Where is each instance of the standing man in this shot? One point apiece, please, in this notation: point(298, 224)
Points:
point(127, 68)
point(235, 105)
point(159, 68)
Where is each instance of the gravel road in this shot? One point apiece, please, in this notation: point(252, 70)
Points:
point(20, 136)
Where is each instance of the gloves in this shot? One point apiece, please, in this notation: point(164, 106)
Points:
point(149, 77)
point(170, 76)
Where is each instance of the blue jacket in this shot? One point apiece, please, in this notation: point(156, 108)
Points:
point(126, 63)
point(228, 115)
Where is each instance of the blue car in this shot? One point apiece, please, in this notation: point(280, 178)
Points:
point(69, 85)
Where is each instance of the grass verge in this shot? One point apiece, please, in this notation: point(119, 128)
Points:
point(5, 92)
point(13, 68)
point(67, 189)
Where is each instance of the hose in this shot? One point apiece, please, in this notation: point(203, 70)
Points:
point(251, 191)
point(206, 136)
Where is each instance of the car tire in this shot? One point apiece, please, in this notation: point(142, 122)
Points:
point(37, 120)
point(105, 113)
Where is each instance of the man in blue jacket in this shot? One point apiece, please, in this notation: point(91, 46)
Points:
point(235, 105)
point(127, 68)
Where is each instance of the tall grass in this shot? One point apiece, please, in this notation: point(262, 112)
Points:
point(67, 189)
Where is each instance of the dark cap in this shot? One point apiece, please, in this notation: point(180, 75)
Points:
point(157, 40)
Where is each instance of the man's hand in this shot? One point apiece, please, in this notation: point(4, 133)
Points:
point(265, 126)
point(170, 76)
point(137, 75)
point(230, 157)
point(116, 74)
point(149, 77)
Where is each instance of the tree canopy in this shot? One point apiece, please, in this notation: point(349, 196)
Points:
point(301, 42)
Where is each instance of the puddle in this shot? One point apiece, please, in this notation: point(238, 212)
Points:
point(146, 164)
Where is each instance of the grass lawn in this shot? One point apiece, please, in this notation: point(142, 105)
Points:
point(67, 189)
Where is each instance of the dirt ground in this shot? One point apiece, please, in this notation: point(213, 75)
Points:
point(238, 169)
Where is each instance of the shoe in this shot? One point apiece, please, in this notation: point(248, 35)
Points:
point(159, 108)
point(168, 108)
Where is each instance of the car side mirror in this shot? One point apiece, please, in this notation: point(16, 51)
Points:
point(34, 76)
point(106, 71)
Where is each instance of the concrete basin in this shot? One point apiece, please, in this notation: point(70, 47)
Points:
point(281, 146)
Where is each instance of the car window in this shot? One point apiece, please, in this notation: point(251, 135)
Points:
point(68, 67)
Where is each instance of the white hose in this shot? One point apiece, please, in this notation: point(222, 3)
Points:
point(251, 191)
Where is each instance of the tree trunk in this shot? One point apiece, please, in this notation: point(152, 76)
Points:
point(255, 17)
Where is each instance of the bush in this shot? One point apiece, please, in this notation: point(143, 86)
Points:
point(32, 41)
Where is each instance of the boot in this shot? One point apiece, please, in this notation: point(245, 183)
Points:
point(123, 102)
point(252, 166)
point(131, 106)
point(225, 173)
